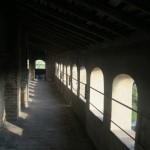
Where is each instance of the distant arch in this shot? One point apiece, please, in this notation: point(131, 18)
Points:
point(40, 69)
point(61, 72)
point(68, 77)
point(56, 69)
point(82, 82)
point(64, 80)
point(74, 79)
point(39, 64)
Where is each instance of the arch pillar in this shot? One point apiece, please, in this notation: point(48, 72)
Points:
point(50, 67)
point(12, 78)
point(23, 70)
point(31, 69)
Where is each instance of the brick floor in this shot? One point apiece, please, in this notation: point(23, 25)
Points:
point(48, 124)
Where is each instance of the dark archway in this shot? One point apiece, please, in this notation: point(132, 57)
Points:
point(40, 69)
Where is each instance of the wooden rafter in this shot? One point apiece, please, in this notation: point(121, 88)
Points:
point(43, 28)
point(140, 5)
point(66, 19)
point(87, 16)
point(44, 35)
point(51, 28)
point(38, 41)
point(56, 23)
point(50, 32)
point(111, 12)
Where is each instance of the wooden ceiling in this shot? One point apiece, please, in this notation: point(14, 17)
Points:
point(68, 25)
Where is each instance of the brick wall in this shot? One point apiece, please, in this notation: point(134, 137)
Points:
point(10, 95)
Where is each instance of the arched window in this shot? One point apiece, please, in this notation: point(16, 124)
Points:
point(82, 82)
point(40, 69)
point(134, 106)
point(68, 77)
point(74, 79)
point(61, 72)
point(27, 63)
point(39, 64)
point(64, 80)
point(96, 92)
point(56, 69)
point(124, 115)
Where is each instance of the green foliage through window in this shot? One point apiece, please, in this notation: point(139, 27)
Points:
point(39, 64)
point(134, 102)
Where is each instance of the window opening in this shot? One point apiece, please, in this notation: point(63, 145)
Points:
point(82, 83)
point(40, 70)
point(74, 79)
point(124, 109)
point(97, 93)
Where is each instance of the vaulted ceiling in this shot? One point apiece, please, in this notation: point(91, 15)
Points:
point(68, 25)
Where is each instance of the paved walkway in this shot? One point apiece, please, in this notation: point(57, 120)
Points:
point(48, 124)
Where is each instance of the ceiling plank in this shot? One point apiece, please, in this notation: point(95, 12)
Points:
point(87, 16)
point(31, 21)
point(140, 5)
point(51, 22)
point(38, 41)
point(57, 24)
point(67, 19)
point(44, 35)
point(50, 33)
point(101, 7)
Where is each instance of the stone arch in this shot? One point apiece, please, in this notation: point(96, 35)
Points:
point(64, 76)
point(56, 69)
point(83, 81)
point(68, 77)
point(97, 92)
point(74, 79)
point(61, 72)
point(40, 67)
point(123, 108)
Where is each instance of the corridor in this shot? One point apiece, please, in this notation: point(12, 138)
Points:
point(48, 124)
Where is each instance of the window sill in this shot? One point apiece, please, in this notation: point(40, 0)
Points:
point(124, 138)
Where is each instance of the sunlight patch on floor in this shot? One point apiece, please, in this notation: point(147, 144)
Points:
point(30, 99)
point(23, 115)
point(31, 91)
point(13, 128)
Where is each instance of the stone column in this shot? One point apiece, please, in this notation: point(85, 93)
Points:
point(23, 70)
point(11, 73)
point(50, 67)
point(11, 94)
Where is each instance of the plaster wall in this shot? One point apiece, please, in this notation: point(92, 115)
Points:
point(132, 64)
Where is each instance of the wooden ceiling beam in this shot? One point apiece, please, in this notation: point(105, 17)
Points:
point(67, 20)
point(51, 42)
point(87, 16)
point(51, 33)
point(140, 5)
point(101, 7)
point(52, 50)
point(52, 29)
point(57, 24)
point(44, 35)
